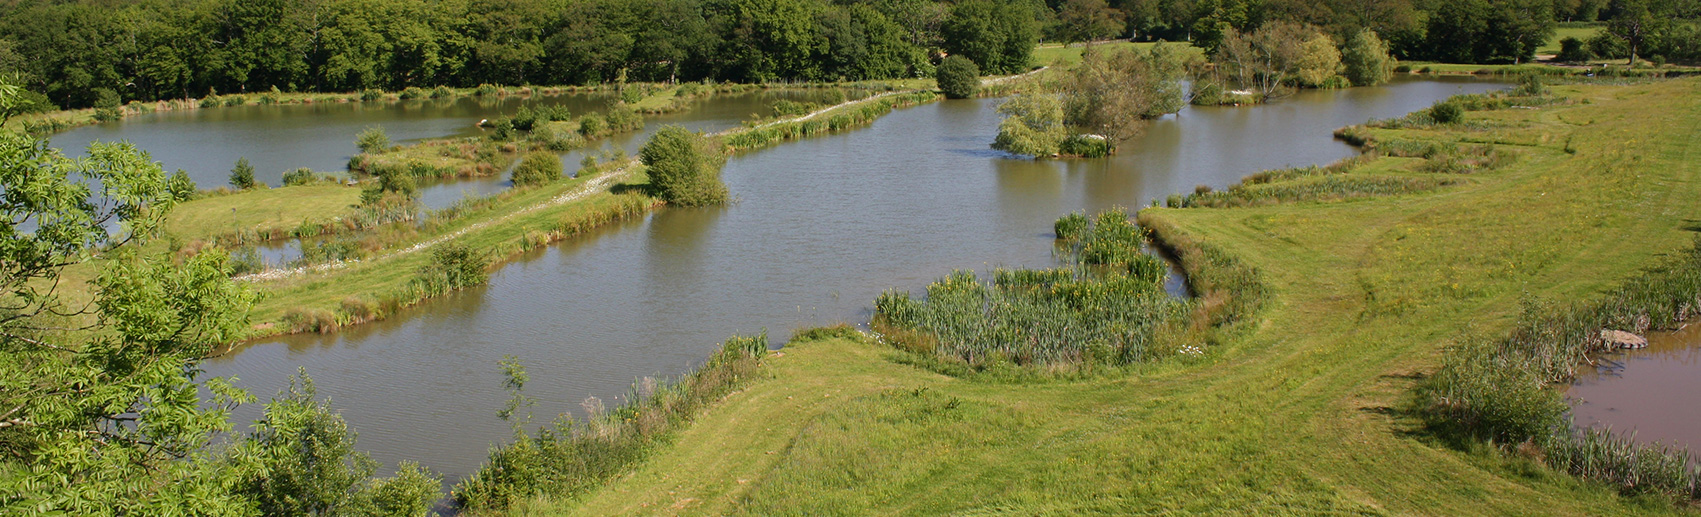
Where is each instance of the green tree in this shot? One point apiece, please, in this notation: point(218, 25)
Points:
point(1112, 94)
point(1319, 62)
point(300, 459)
point(1635, 24)
point(1366, 59)
point(1088, 20)
point(102, 412)
point(997, 36)
point(958, 77)
point(1033, 125)
point(242, 176)
point(684, 167)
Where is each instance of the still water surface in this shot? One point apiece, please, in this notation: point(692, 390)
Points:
point(820, 228)
point(1646, 391)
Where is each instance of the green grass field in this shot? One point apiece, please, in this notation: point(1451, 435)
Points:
point(1055, 54)
point(1582, 31)
point(1302, 413)
point(272, 208)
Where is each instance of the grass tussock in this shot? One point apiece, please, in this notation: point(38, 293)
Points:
point(571, 456)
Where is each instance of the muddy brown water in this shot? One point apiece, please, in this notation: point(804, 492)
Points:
point(819, 228)
point(1648, 391)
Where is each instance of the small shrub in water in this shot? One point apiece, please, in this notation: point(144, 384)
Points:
point(412, 92)
point(442, 92)
point(371, 94)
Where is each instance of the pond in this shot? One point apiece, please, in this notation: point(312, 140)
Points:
point(820, 228)
point(1643, 390)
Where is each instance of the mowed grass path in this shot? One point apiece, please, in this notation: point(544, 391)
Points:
point(1301, 413)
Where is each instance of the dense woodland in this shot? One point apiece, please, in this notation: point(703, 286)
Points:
point(76, 51)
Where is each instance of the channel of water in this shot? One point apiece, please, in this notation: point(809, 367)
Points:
point(820, 228)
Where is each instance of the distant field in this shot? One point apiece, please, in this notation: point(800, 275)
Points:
point(1053, 54)
point(1582, 31)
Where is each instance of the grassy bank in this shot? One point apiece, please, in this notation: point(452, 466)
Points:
point(1299, 411)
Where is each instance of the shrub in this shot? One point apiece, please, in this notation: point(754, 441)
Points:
point(1033, 125)
point(442, 92)
point(1087, 146)
point(592, 125)
point(108, 106)
point(1573, 50)
point(371, 94)
point(1446, 112)
point(1530, 86)
point(684, 167)
point(624, 118)
point(302, 319)
point(524, 119)
point(301, 176)
point(958, 77)
point(786, 108)
point(412, 92)
point(242, 176)
point(453, 266)
point(373, 140)
point(486, 90)
point(537, 169)
point(1366, 59)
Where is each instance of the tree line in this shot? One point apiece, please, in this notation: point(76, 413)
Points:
point(80, 53)
point(75, 51)
point(1456, 31)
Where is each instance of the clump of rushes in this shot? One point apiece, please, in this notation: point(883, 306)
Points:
point(537, 168)
point(684, 167)
point(1106, 307)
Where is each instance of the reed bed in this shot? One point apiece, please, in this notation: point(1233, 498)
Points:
point(572, 456)
point(1106, 307)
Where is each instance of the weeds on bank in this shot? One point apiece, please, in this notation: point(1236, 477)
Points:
point(1501, 389)
point(571, 455)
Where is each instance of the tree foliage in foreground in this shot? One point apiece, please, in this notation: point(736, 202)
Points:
point(101, 406)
